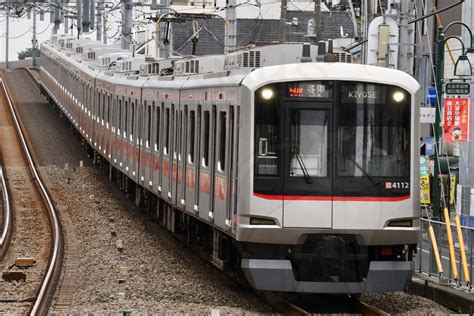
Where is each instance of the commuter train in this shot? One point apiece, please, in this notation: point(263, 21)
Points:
point(299, 174)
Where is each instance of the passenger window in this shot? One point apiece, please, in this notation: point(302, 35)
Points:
point(119, 117)
point(167, 131)
point(191, 128)
point(132, 125)
point(222, 140)
point(157, 126)
point(125, 119)
point(148, 135)
point(206, 132)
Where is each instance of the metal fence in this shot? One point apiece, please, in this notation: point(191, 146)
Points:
point(425, 259)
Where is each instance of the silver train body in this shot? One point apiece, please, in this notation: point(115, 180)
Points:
point(305, 174)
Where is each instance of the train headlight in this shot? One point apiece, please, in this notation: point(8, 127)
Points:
point(398, 96)
point(267, 94)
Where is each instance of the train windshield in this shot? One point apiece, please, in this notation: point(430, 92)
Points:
point(373, 131)
point(331, 138)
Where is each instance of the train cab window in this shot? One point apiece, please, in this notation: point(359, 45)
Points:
point(191, 129)
point(308, 143)
point(205, 138)
point(373, 131)
point(267, 133)
point(222, 141)
point(167, 132)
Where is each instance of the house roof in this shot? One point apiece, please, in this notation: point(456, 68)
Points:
point(257, 31)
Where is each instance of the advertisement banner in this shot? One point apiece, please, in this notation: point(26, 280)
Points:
point(425, 189)
point(456, 119)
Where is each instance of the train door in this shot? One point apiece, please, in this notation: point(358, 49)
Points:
point(175, 162)
point(206, 172)
point(181, 180)
point(167, 151)
point(307, 180)
point(191, 161)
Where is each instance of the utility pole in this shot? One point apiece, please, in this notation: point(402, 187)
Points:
point(92, 15)
point(98, 26)
point(403, 63)
point(57, 17)
point(104, 25)
point(79, 17)
point(317, 20)
point(34, 37)
point(85, 16)
point(231, 27)
point(127, 6)
point(7, 34)
point(283, 14)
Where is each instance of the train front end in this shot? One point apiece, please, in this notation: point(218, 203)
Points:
point(328, 178)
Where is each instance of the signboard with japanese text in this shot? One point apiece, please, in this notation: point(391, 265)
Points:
point(456, 119)
point(458, 88)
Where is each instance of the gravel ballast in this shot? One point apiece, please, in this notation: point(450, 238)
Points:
point(155, 273)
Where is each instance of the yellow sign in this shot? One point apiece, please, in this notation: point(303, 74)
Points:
point(452, 188)
point(425, 189)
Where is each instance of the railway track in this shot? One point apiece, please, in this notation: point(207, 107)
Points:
point(7, 216)
point(32, 185)
point(322, 304)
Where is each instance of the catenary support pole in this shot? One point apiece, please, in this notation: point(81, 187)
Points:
point(127, 6)
point(7, 35)
point(33, 41)
point(283, 15)
point(85, 16)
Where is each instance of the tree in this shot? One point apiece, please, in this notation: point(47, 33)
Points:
point(27, 53)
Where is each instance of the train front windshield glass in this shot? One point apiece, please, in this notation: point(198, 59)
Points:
point(324, 133)
point(373, 131)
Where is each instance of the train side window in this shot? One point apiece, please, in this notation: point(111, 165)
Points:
point(125, 119)
point(148, 131)
point(157, 126)
point(191, 129)
point(132, 123)
point(167, 132)
point(103, 107)
point(109, 99)
point(206, 135)
point(119, 117)
point(222, 141)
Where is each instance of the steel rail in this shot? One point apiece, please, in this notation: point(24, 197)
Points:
point(7, 221)
point(46, 290)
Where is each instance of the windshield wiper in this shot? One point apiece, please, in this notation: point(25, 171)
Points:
point(302, 167)
point(361, 169)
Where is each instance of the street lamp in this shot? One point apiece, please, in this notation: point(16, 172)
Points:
point(461, 69)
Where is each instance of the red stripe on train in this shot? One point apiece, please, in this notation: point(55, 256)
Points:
point(333, 198)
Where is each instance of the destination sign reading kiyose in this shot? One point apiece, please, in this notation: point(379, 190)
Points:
point(366, 93)
point(313, 89)
point(456, 88)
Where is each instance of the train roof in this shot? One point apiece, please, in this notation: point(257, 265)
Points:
point(254, 67)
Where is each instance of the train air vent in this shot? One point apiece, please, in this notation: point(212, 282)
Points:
point(79, 50)
point(246, 60)
point(251, 59)
point(91, 55)
point(69, 45)
point(187, 67)
point(196, 67)
point(344, 58)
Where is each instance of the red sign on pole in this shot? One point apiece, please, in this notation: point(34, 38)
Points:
point(456, 119)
